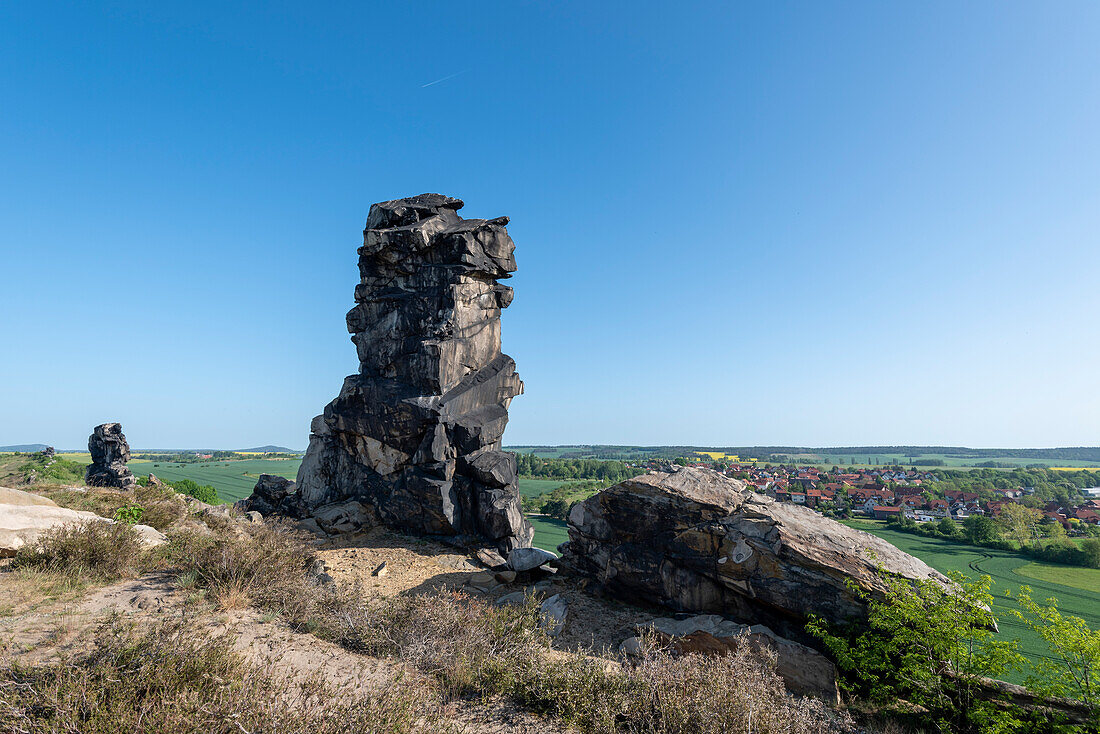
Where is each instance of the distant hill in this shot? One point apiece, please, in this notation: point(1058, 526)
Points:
point(270, 450)
point(24, 447)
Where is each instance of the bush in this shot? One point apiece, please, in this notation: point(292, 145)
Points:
point(129, 514)
point(201, 492)
point(161, 506)
point(265, 564)
point(176, 679)
point(97, 549)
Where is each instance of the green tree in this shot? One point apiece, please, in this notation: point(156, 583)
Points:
point(201, 492)
point(948, 527)
point(928, 644)
point(1090, 552)
point(980, 529)
point(1018, 522)
point(1073, 668)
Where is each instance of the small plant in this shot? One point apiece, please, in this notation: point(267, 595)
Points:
point(129, 514)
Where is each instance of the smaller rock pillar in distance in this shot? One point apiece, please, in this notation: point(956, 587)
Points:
point(110, 452)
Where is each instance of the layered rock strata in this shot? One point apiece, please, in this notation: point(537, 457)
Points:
point(414, 439)
point(110, 452)
point(694, 540)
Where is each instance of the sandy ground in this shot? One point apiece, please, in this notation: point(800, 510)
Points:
point(414, 566)
point(36, 629)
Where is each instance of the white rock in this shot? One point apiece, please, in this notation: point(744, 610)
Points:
point(25, 516)
point(553, 614)
point(150, 537)
point(631, 646)
point(713, 624)
point(526, 559)
point(515, 599)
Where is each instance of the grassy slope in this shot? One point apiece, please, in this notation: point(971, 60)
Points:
point(1003, 567)
point(535, 487)
point(549, 533)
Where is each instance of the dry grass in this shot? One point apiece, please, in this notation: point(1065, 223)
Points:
point(26, 589)
point(94, 550)
point(475, 649)
point(264, 565)
point(174, 678)
point(161, 506)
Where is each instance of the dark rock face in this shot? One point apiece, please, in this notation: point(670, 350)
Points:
point(110, 452)
point(695, 540)
point(415, 437)
point(270, 492)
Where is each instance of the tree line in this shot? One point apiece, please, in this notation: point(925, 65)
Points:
point(537, 467)
point(1018, 529)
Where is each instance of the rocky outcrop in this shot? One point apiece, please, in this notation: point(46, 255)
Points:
point(269, 493)
point(694, 540)
point(414, 439)
point(110, 452)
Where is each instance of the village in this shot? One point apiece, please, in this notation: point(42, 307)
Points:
point(885, 493)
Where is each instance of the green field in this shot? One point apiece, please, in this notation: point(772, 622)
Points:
point(549, 533)
point(824, 457)
point(1086, 579)
point(535, 487)
point(234, 480)
point(1009, 571)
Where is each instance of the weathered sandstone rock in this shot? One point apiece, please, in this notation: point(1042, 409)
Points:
point(527, 559)
point(694, 540)
point(270, 491)
point(25, 516)
point(415, 437)
point(110, 452)
point(553, 614)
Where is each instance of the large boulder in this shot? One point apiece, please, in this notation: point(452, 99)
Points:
point(25, 516)
point(415, 436)
point(694, 540)
point(110, 452)
point(270, 493)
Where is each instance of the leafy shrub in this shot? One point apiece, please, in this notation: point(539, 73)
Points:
point(201, 492)
point(96, 549)
point(129, 514)
point(52, 470)
point(175, 679)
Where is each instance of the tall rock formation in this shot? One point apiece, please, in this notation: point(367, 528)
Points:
point(695, 540)
point(415, 438)
point(110, 452)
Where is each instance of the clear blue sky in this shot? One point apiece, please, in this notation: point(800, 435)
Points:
point(818, 223)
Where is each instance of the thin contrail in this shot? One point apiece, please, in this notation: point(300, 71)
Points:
point(437, 81)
